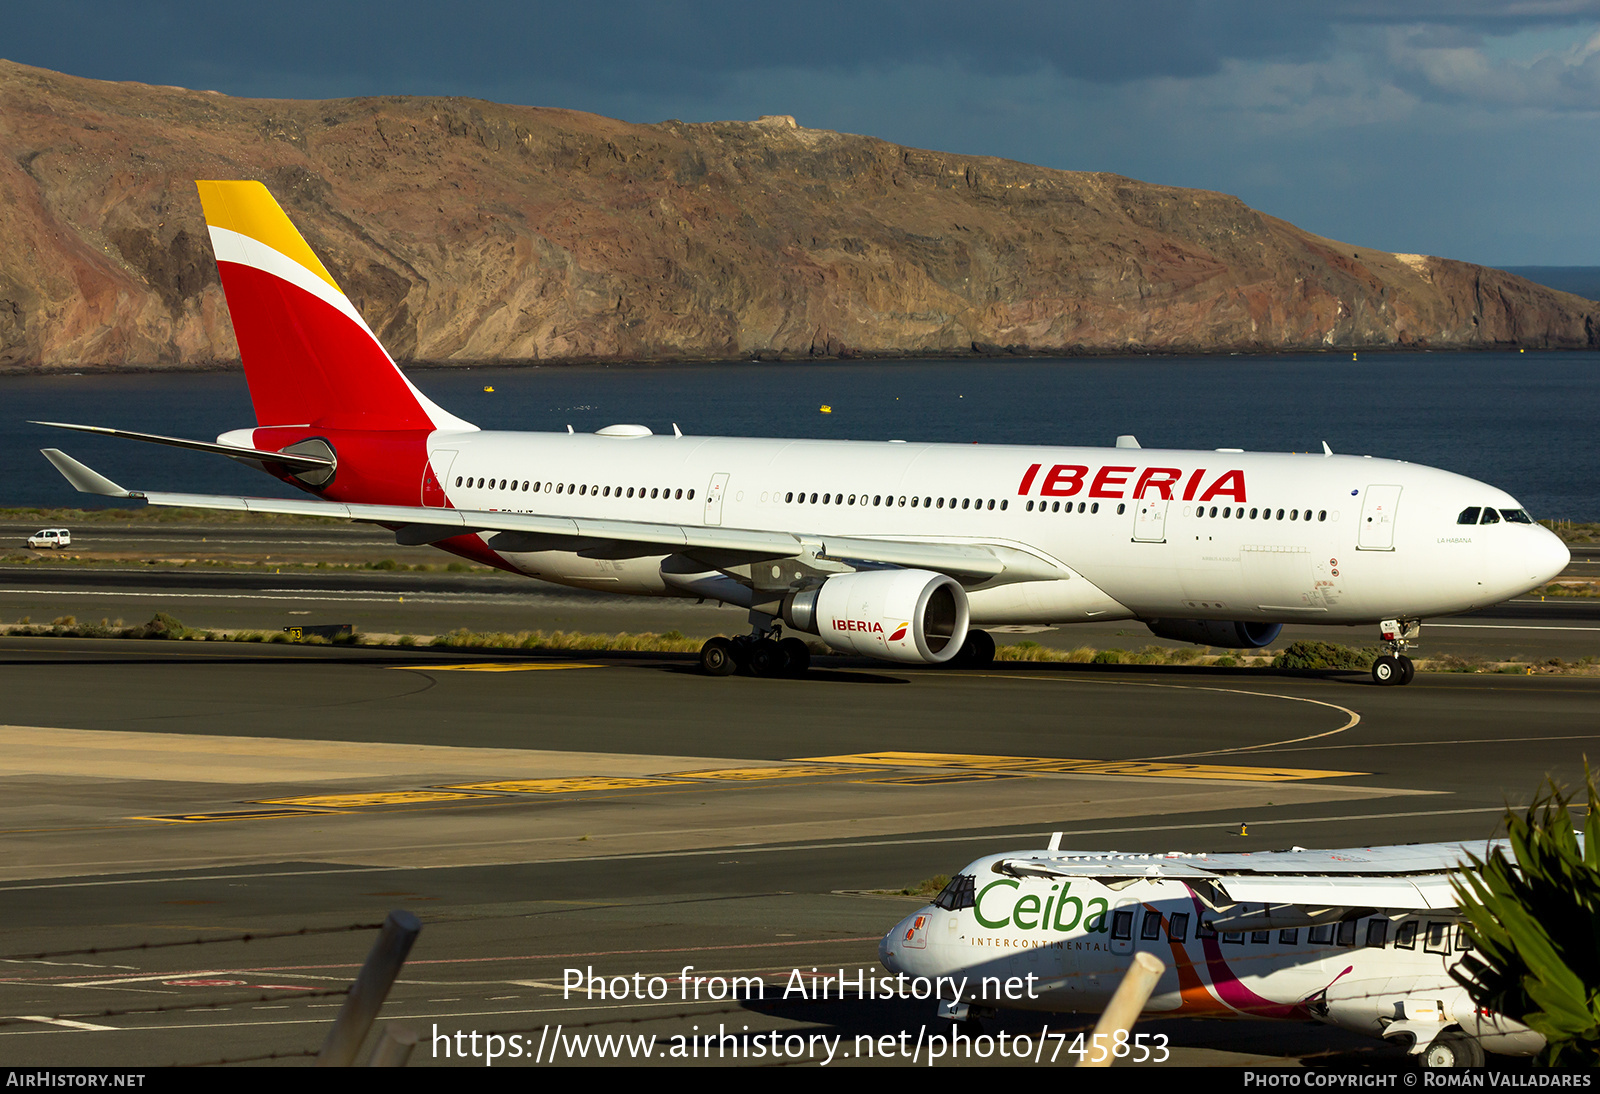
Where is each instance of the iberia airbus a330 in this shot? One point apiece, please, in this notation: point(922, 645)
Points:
point(883, 549)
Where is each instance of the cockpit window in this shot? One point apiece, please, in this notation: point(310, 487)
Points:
point(1469, 515)
point(1517, 516)
point(1490, 517)
point(960, 893)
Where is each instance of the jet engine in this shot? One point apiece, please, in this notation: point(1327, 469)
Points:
point(897, 615)
point(1212, 632)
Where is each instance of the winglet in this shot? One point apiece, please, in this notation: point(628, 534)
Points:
point(1326, 451)
point(85, 480)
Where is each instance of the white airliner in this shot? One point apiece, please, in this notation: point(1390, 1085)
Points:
point(884, 549)
point(1363, 939)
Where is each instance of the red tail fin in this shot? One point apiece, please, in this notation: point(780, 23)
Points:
point(308, 355)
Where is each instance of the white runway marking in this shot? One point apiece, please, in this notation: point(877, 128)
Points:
point(1508, 627)
point(65, 1023)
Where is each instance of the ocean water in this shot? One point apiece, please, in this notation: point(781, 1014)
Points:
point(1522, 421)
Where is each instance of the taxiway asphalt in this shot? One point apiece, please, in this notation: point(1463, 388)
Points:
point(623, 813)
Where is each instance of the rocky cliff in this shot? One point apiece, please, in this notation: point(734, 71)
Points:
point(468, 231)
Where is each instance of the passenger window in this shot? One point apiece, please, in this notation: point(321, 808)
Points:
point(1322, 514)
point(1260, 938)
point(1095, 508)
point(1030, 507)
point(1151, 931)
point(1490, 517)
point(1405, 937)
point(691, 495)
point(1122, 924)
point(1178, 926)
point(1347, 933)
point(1290, 937)
point(458, 480)
point(1321, 936)
point(1377, 932)
point(1463, 940)
point(991, 503)
point(1003, 504)
point(1233, 936)
point(1120, 508)
point(1469, 515)
point(1437, 938)
point(915, 502)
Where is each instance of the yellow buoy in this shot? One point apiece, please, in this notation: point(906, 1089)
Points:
point(488, 389)
point(1352, 357)
point(826, 409)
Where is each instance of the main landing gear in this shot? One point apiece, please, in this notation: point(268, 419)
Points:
point(759, 653)
point(1394, 667)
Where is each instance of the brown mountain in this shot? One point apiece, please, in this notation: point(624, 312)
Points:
point(469, 231)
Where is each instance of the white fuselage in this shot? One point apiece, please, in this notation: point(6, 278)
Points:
point(1075, 937)
point(1220, 535)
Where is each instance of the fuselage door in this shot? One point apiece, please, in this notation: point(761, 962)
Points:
point(1150, 520)
point(1378, 510)
point(435, 475)
point(719, 484)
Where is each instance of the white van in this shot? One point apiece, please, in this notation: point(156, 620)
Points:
point(50, 537)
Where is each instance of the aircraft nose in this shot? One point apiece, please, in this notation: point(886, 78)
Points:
point(1549, 557)
point(886, 955)
point(889, 955)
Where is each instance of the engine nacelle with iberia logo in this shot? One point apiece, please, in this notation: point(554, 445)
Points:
point(914, 616)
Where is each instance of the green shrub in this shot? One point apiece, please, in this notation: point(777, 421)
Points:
point(1535, 927)
point(1307, 654)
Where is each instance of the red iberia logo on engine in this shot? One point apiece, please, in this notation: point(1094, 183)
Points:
point(900, 631)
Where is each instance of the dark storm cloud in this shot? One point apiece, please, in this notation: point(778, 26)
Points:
point(643, 47)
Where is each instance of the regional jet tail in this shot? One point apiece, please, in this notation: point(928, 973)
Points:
point(901, 552)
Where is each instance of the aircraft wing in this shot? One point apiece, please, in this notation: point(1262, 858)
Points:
point(415, 525)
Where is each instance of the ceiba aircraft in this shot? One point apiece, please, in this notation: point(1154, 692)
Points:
point(885, 549)
point(1362, 938)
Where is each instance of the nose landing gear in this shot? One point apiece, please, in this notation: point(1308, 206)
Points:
point(1395, 668)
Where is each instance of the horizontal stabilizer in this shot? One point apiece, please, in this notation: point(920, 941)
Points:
point(295, 461)
point(85, 480)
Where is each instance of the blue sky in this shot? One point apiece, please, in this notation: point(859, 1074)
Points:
point(1469, 129)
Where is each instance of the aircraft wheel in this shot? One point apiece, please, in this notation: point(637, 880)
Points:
point(976, 651)
point(766, 658)
point(1386, 670)
point(1453, 1049)
point(1408, 669)
point(797, 656)
point(716, 658)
